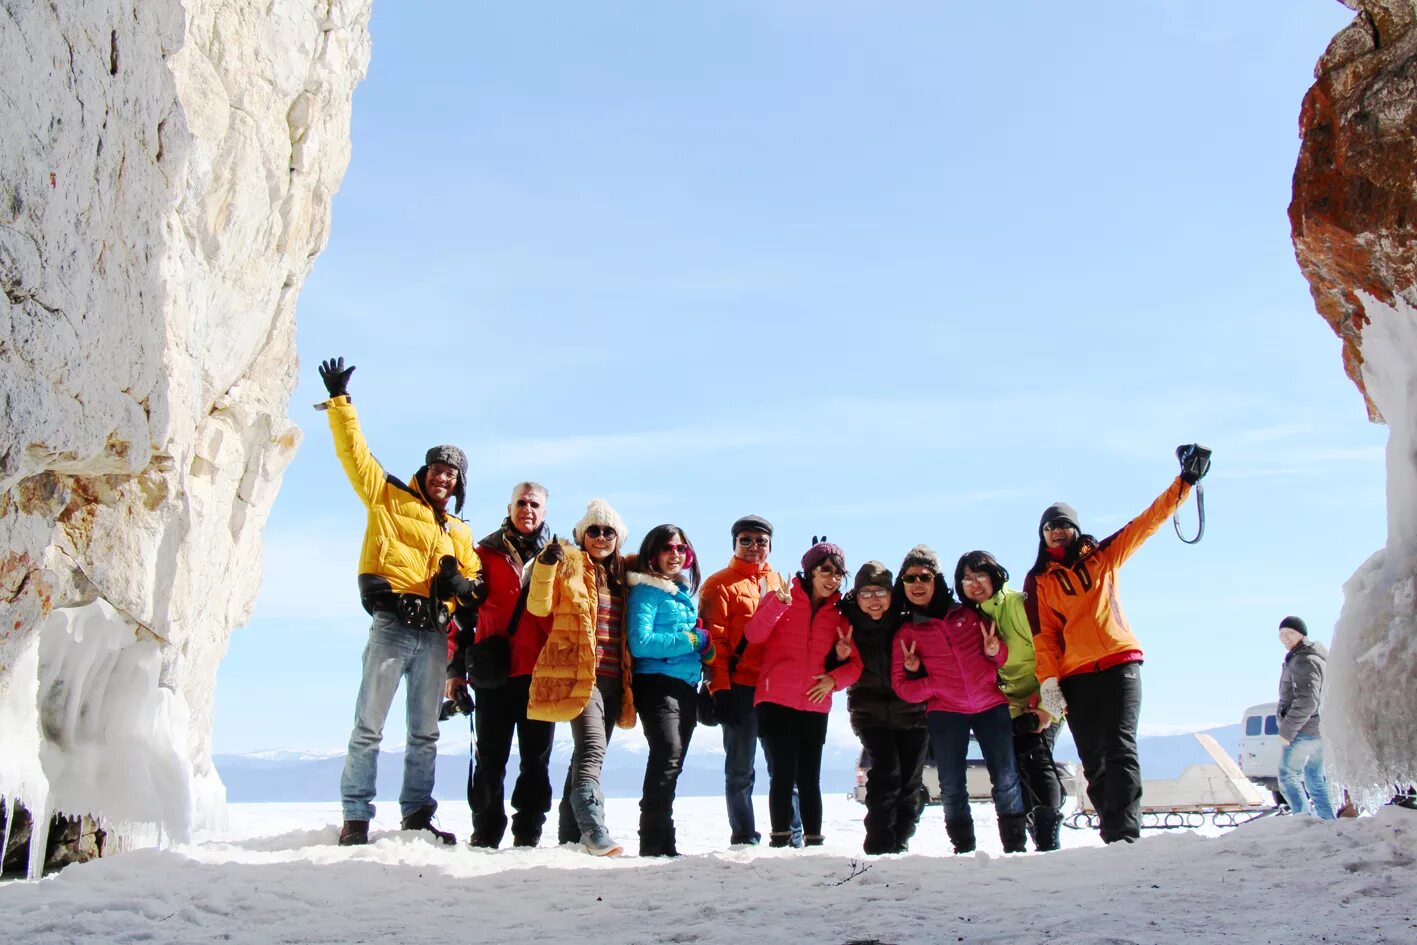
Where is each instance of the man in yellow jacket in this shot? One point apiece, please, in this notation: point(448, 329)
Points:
point(417, 560)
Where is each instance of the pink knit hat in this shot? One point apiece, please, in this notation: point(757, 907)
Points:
point(820, 551)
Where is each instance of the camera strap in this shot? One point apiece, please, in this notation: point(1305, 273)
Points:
point(1200, 513)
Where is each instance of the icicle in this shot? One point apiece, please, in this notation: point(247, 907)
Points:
point(9, 823)
point(39, 835)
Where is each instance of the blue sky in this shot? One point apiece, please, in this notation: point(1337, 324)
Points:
point(901, 272)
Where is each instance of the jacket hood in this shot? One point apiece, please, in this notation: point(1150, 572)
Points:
point(654, 580)
point(1308, 648)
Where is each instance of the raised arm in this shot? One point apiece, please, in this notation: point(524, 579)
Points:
point(765, 618)
point(912, 686)
point(1124, 543)
point(362, 469)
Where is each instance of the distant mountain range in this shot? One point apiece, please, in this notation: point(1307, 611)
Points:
point(292, 776)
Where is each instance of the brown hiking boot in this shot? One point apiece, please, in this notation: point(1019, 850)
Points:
point(422, 819)
point(354, 833)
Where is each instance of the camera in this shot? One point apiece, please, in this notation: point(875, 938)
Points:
point(1026, 724)
point(459, 704)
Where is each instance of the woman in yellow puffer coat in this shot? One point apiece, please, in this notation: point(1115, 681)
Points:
point(583, 672)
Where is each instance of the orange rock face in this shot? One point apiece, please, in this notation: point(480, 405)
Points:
point(1354, 212)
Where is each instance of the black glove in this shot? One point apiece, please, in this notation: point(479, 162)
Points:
point(336, 376)
point(1195, 462)
point(450, 582)
point(552, 553)
point(724, 708)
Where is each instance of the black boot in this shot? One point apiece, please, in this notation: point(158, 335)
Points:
point(354, 833)
point(780, 839)
point(422, 819)
point(1013, 831)
point(878, 843)
point(961, 834)
point(1046, 821)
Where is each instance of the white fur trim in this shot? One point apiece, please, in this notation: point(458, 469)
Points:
point(652, 580)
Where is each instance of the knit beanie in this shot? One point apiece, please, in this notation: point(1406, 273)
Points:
point(752, 523)
point(874, 573)
point(1295, 624)
point(599, 512)
point(922, 556)
point(1059, 510)
point(820, 551)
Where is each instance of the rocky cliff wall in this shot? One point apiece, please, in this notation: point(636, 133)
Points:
point(1354, 224)
point(166, 177)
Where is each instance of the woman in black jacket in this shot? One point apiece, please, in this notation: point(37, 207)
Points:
point(892, 731)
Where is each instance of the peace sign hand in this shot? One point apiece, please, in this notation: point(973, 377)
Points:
point(843, 644)
point(783, 591)
point(912, 659)
point(990, 632)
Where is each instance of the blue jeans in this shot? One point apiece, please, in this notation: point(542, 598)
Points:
point(395, 652)
point(994, 730)
point(1302, 779)
point(740, 750)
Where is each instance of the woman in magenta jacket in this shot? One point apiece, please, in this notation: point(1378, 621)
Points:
point(950, 658)
point(807, 655)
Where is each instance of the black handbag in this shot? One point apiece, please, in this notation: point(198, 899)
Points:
point(489, 662)
point(705, 707)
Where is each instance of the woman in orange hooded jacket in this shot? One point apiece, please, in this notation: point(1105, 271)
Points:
point(1088, 660)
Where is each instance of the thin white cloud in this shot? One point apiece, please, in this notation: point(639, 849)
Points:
point(552, 452)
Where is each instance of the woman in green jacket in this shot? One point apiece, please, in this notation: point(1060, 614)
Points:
point(980, 582)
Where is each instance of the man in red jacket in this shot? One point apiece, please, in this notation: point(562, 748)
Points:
point(507, 556)
point(727, 601)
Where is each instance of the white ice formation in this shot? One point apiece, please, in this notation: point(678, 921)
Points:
point(166, 174)
point(1369, 713)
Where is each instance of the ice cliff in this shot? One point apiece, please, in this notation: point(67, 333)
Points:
point(166, 174)
point(1354, 224)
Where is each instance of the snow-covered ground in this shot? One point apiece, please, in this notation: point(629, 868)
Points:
point(276, 875)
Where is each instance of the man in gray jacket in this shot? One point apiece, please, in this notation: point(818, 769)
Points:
point(1301, 682)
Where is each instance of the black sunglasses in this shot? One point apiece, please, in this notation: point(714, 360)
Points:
point(916, 578)
point(600, 531)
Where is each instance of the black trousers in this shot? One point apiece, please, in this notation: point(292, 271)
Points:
point(1103, 709)
point(500, 713)
point(667, 709)
point(893, 785)
point(1033, 751)
point(794, 740)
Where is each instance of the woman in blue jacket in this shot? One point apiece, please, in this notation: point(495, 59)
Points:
point(668, 649)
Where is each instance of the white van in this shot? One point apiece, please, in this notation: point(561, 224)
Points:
point(1259, 745)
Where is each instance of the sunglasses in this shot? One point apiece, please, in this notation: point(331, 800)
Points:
point(1058, 525)
point(873, 592)
point(831, 573)
point(747, 542)
point(600, 531)
point(676, 549)
point(917, 578)
point(528, 504)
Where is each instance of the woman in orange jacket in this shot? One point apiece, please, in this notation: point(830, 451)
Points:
point(1088, 660)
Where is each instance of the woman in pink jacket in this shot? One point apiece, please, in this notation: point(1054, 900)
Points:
point(808, 655)
point(949, 657)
